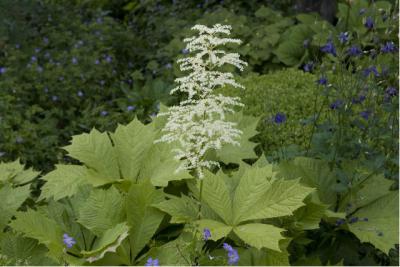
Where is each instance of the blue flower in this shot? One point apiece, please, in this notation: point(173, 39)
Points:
point(19, 140)
point(97, 62)
point(103, 113)
point(151, 262)
point(362, 11)
point(206, 234)
point(233, 256)
point(389, 47)
point(168, 66)
point(368, 71)
point(353, 220)
point(339, 222)
point(37, 50)
point(68, 241)
point(365, 219)
point(130, 108)
point(17, 46)
point(45, 40)
point(365, 114)
point(306, 43)
point(359, 99)
point(185, 51)
point(337, 104)
point(74, 60)
point(329, 48)
point(39, 69)
point(369, 23)
point(33, 58)
point(279, 118)
point(108, 59)
point(322, 81)
point(343, 37)
point(354, 51)
point(3, 70)
point(54, 98)
point(308, 67)
point(102, 82)
point(47, 55)
point(80, 93)
point(391, 91)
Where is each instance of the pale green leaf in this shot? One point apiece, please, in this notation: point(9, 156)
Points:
point(218, 230)
point(181, 210)
point(143, 218)
point(216, 194)
point(132, 143)
point(382, 227)
point(260, 235)
point(64, 181)
point(36, 225)
point(160, 166)
point(109, 241)
point(11, 198)
point(95, 150)
point(234, 154)
point(14, 172)
point(282, 198)
point(102, 210)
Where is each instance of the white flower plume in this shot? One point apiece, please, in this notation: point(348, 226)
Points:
point(198, 123)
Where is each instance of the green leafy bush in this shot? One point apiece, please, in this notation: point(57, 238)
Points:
point(288, 92)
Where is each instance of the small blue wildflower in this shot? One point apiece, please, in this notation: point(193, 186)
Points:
point(68, 241)
point(279, 118)
point(33, 58)
point(130, 108)
point(47, 55)
point(37, 50)
point(103, 113)
point(151, 262)
point(359, 99)
point(329, 48)
point(391, 91)
point(389, 47)
point(102, 82)
point(354, 51)
point(80, 93)
point(233, 256)
point(54, 98)
point(99, 20)
point(343, 37)
point(61, 78)
point(365, 219)
point(17, 46)
point(362, 11)
point(206, 234)
point(353, 220)
point(108, 59)
point(365, 114)
point(337, 104)
point(185, 51)
point(97, 62)
point(308, 67)
point(168, 66)
point(46, 90)
point(322, 81)
point(74, 60)
point(39, 69)
point(368, 71)
point(98, 33)
point(340, 222)
point(369, 23)
point(45, 40)
point(3, 70)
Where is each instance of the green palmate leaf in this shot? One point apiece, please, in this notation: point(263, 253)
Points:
point(181, 210)
point(95, 150)
point(382, 227)
point(143, 218)
point(309, 216)
point(36, 225)
point(24, 251)
point(132, 143)
point(216, 195)
point(260, 235)
point(14, 172)
point(282, 198)
point(265, 257)
point(314, 173)
point(102, 210)
point(217, 229)
point(11, 198)
point(252, 186)
point(160, 166)
point(234, 154)
point(64, 181)
point(109, 241)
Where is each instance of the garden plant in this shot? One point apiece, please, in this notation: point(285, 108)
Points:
point(186, 133)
